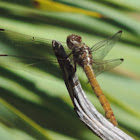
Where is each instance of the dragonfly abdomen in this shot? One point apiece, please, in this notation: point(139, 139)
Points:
point(95, 86)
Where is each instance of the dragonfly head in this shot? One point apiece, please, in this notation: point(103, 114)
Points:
point(73, 41)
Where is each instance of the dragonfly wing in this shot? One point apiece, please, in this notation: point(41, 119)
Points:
point(36, 66)
point(23, 52)
point(105, 65)
point(101, 49)
point(24, 45)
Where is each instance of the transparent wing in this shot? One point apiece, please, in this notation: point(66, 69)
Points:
point(101, 49)
point(24, 52)
point(16, 43)
point(105, 65)
point(36, 66)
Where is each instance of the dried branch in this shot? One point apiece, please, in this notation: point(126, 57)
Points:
point(85, 110)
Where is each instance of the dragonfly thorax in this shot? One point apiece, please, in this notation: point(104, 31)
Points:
point(83, 55)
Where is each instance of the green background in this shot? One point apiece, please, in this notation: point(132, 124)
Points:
point(32, 107)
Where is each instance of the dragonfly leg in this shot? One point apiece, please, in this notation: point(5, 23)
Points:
point(69, 55)
point(74, 66)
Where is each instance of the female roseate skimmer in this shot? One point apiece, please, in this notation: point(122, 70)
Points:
point(90, 59)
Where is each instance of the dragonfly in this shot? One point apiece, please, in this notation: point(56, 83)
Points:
point(90, 59)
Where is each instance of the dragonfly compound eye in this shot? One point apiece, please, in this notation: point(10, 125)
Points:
point(73, 40)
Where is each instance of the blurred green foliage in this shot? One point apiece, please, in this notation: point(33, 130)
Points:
point(39, 108)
